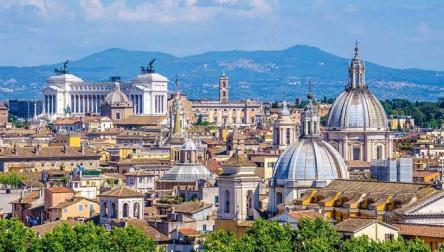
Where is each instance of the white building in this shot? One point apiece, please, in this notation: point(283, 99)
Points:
point(66, 93)
point(121, 203)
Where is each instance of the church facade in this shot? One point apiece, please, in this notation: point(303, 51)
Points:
point(67, 94)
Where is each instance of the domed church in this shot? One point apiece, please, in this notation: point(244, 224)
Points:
point(310, 162)
point(357, 124)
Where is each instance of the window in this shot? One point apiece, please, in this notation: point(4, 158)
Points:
point(125, 210)
point(80, 208)
point(227, 201)
point(140, 179)
point(216, 200)
point(204, 227)
point(91, 207)
point(117, 115)
point(389, 237)
point(65, 210)
point(379, 152)
point(356, 153)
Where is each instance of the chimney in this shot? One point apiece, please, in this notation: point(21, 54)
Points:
point(82, 148)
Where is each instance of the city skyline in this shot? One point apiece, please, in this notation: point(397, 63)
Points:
point(74, 29)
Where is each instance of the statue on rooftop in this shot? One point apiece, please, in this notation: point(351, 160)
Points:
point(63, 70)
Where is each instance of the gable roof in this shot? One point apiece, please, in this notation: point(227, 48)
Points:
point(421, 230)
point(122, 192)
point(353, 225)
point(191, 207)
point(59, 190)
point(148, 230)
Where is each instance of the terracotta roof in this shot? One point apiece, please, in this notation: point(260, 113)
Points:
point(59, 190)
point(189, 232)
point(239, 160)
point(148, 230)
point(122, 192)
point(422, 173)
point(50, 152)
point(353, 225)
point(191, 207)
point(49, 227)
point(113, 175)
point(213, 165)
point(421, 230)
point(304, 214)
point(28, 198)
point(140, 120)
point(358, 163)
point(66, 121)
point(139, 173)
point(367, 187)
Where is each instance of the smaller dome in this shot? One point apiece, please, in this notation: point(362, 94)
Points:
point(186, 173)
point(117, 96)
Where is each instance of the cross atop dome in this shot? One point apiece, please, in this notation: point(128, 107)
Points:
point(356, 49)
point(356, 71)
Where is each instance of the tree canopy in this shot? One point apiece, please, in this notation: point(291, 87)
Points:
point(312, 235)
point(14, 236)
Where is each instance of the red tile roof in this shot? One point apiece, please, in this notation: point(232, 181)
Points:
point(59, 190)
point(421, 230)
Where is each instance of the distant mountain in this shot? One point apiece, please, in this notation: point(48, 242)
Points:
point(265, 75)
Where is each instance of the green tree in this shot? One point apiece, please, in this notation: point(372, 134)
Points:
point(89, 237)
point(11, 178)
point(268, 236)
point(220, 241)
point(316, 235)
point(14, 236)
point(130, 238)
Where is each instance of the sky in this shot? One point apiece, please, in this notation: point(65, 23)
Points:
point(401, 34)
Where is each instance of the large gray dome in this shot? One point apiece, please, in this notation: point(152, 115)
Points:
point(357, 108)
point(310, 159)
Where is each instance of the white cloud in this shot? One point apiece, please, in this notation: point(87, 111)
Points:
point(46, 9)
point(168, 11)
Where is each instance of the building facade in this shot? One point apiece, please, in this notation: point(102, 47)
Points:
point(66, 93)
point(225, 112)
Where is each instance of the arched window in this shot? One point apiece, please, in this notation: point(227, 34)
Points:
point(113, 213)
point(227, 201)
point(278, 198)
point(250, 204)
point(379, 152)
point(136, 210)
point(125, 210)
point(105, 213)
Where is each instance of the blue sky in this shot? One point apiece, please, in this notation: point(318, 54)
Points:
point(404, 33)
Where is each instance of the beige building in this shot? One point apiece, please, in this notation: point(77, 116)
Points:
point(373, 229)
point(225, 112)
point(265, 164)
point(39, 158)
point(4, 112)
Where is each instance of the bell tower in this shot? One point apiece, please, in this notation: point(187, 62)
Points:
point(223, 88)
